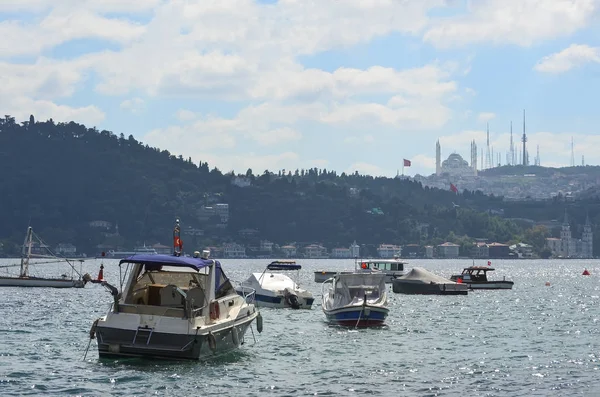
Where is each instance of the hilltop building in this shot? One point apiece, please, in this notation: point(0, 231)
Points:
point(455, 165)
point(568, 247)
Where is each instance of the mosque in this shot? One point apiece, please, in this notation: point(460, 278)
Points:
point(455, 165)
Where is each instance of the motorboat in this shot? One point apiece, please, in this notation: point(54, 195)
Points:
point(422, 282)
point(476, 278)
point(357, 299)
point(43, 257)
point(275, 289)
point(173, 307)
point(392, 268)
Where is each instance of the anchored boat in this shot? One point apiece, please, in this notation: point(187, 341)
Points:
point(356, 299)
point(392, 268)
point(24, 279)
point(173, 307)
point(275, 289)
point(476, 278)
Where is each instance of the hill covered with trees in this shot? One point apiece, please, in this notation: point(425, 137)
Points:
point(59, 177)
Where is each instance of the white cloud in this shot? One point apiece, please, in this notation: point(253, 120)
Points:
point(133, 105)
point(423, 162)
point(276, 136)
point(22, 107)
point(571, 57)
point(360, 140)
point(486, 116)
point(185, 115)
point(522, 22)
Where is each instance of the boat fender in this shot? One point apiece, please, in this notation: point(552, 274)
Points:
point(214, 310)
point(93, 329)
point(212, 341)
point(235, 336)
point(259, 323)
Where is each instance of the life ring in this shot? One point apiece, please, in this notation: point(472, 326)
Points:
point(259, 323)
point(235, 336)
point(212, 341)
point(215, 311)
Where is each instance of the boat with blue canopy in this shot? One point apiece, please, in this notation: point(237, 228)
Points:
point(275, 289)
point(173, 307)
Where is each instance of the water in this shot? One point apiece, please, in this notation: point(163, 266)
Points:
point(533, 340)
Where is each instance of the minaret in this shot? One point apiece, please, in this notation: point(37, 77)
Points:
point(488, 159)
point(512, 147)
point(438, 158)
point(524, 140)
point(474, 157)
point(537, 156)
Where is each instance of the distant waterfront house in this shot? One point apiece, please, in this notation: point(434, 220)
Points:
point(248, 233)
point(481, 250)
point(522, 250)
point(411, 251)
point(266, 246)
point(389, 250)
point(340, 253)
point(65, 249)
point(498, 250)
point(289, 251)
point(234, 250)
point(448, 250)
point(315, 251)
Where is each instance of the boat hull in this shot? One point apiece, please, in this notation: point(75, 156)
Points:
point(279, 301)
point(403, 287)
point(40, 282)
point(357, 316)
point(491, 285)
point(144, 343)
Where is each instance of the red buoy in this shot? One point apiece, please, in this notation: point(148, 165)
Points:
point(585, 272)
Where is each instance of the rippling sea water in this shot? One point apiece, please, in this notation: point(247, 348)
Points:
point(534, 340)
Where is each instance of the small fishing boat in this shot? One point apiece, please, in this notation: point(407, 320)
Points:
point(422, 282)
point(392, 268)
point(355, 299)
point(476, 278)
point(24, 279)
point(173, 307)
point(277, 290)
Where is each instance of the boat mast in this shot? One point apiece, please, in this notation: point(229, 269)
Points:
point(25, 256)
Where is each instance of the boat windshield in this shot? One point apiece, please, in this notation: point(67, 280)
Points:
point(355, 287)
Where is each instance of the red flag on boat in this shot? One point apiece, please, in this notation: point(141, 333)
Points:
point(459, 280)
point(178, 243)
point(406, 163)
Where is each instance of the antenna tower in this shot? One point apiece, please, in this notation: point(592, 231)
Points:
point(488, 159)
point(572, 154)
point(524, 140)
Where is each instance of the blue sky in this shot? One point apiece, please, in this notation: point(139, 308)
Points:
point(342, 85)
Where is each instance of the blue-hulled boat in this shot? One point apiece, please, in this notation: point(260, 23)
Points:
point(356, 299)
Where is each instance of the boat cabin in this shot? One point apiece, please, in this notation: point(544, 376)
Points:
point(393, 265)
point(476, 273)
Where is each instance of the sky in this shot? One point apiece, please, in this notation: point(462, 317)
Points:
point(344, 85)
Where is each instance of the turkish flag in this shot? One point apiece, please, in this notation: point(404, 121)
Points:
point(406, 163)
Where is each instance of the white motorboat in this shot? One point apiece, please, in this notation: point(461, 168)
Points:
point(173, 307)
point(356, 299)
point(277, 289)
point(24, 279)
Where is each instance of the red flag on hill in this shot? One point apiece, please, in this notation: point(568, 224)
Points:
point(406, 163)
point(453, 188)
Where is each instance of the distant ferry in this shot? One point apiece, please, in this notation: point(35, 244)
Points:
point(125, 254)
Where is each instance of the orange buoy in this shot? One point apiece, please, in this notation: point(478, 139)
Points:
point(585, 272)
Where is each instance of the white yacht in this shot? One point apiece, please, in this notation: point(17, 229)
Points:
point(274, 289)
point(173, 307)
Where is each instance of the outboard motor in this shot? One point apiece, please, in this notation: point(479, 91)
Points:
point(291, 299)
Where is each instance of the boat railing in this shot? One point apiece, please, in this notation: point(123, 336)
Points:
point(248, 293)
